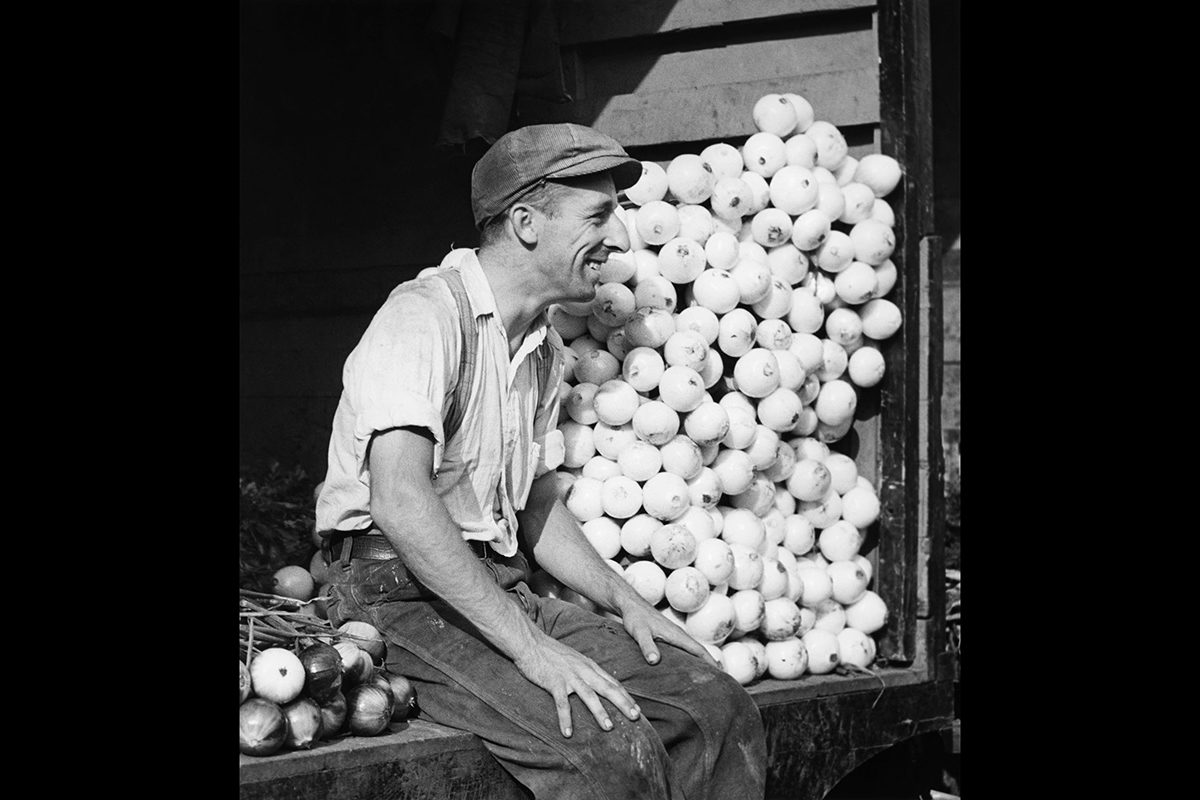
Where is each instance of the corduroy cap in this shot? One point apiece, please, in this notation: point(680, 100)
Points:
point(522, 158)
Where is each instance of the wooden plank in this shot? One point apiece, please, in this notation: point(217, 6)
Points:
point(453, 773)
point(929, 519)
point(933, 454)
point(813, 742)
point(951, 397)
point(813, 745)
point(582, 21)
point(769, 692)
point(723, 111)
point(952, 322)
point(408, 739)
point(859, 138)
point(787, 54)
point(906, 121)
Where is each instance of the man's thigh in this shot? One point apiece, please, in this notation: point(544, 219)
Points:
point(462, 681)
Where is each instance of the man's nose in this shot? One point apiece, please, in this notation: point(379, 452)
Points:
point(616, 237)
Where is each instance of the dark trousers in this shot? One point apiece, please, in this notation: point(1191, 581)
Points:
point(699, 736)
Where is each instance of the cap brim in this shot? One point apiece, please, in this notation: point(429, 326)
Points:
point(625, 170)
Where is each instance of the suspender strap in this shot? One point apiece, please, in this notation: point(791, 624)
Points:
point(466, 323)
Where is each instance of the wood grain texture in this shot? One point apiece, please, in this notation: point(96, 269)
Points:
point(603, 20)
point(906, 123)
point(818, 729)
point(723, 111)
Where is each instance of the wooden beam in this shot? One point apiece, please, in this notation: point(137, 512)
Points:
point(906, 128)
point(723, 111)
point(582, 21)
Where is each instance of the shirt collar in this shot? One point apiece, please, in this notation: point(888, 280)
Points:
point(481, 297)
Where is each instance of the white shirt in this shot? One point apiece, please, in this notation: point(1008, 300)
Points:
point(402, 373)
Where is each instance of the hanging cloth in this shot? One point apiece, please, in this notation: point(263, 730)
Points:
point(501, 51)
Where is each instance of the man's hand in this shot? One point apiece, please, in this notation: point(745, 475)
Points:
point(561, 671)
point(646, 625)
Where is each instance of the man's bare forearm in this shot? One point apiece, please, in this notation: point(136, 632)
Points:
point(413, 517)
point(560, 548)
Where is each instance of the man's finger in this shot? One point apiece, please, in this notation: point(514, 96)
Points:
point(645, 640)
point(592, 701)
point(611, 689)
point(563, 706)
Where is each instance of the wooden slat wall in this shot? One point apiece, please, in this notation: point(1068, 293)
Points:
point(701, 82)
point(591, 21)
point(911, 476)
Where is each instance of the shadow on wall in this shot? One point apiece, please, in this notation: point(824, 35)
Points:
point(344, 192)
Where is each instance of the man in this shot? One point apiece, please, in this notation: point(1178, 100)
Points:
point(434, 535)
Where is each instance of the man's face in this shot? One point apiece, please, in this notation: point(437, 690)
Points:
point(579, 236)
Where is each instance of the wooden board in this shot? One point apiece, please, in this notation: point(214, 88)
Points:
point(818, 729)
point(906, 122)
point(703, 86)
point(952, 321)
point(722, 111)
point(583, 21)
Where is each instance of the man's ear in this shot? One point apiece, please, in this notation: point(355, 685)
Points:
point(523, 219)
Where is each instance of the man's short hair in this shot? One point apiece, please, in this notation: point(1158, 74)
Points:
point(544, 196)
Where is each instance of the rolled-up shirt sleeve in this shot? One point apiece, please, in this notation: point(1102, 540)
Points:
point(400, 373)
point(548, 438)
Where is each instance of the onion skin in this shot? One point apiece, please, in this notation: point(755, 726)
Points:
point(323, 671)
point(264, 727)
point(333, 715)
point(369, 710)
point(304, 723)
point(404, 697)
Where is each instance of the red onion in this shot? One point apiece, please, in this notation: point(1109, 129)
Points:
point(350, 654)
point(404, 697)
point(333, 715)
point(381, 680)
point(369, 709)
point(364, 671)
point(323, 671)
point(263, 727)
point(304, 723)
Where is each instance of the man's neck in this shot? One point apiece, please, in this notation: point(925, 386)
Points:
point(517, 304)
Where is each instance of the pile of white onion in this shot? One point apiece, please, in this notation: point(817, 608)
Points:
point(720, 358)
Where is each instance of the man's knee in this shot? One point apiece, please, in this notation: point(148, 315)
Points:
point(730, 709)
point(630, 760)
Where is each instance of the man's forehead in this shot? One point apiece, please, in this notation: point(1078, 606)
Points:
point(596, 190)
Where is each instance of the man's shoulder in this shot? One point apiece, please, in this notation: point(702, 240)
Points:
point(426, 296)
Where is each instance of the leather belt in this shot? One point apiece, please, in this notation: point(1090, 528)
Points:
point(373, 545)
